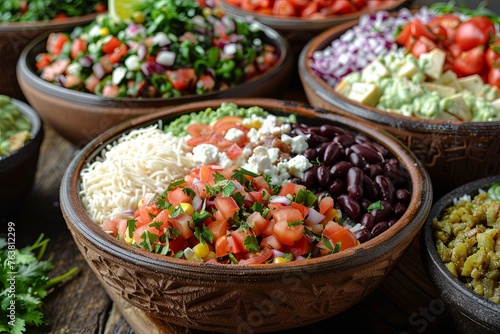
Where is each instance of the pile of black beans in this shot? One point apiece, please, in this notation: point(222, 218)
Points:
point(357, 172)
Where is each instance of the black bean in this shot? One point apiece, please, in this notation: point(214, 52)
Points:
point(367, 221)
point(374, 146)
point(333, 153)
point(365, 203)
point(383, 213)
point(399, 209)
point(337, 187)
point(349, 205)
point(371, 156)
point(363, 235)
point(392, 221)
point(379, 228)
point(403, 196)
point(344, 140)
point(355, 179)
point(385, 188)
point(340, 169)
point(323, 175)
point(369, 189)
point(331, 131)
point(357, 160)
point(315, 129)
point(311, 154)
point(373, 170)
point(321, 148)
point(392, 171)
point(311, 177)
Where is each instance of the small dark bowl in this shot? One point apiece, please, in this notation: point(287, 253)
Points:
point(471, 312)
point(246, 299)
point(15, 36)
point(79, 117)
point(17, 171)
point(454, 153)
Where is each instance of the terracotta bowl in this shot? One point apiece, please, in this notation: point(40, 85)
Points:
point(13, 39)
point(260, 298)
point(454, 153)
point(299, 30)
point(17, 171)
point(471, 312)
point(79, 116)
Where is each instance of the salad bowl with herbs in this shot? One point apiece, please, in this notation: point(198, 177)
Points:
point(437, 94)
point(21, 21)
point(241, 208)
point(165, 53)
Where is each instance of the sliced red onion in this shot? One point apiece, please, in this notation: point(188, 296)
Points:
point(277, 253)
point(85, 61)
point(61, 80)
point(133, 31)
point(166, 58)
point(280, 200)
point(197, 203)
point(98, 70)
point(314, 217)
point(150, 67)
point(300, 258)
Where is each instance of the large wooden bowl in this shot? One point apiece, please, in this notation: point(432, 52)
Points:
point(79, 117)
point(260, 298)
point(454, 153)
point(15, 36)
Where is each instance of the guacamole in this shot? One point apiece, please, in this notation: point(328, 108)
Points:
point(14, 127)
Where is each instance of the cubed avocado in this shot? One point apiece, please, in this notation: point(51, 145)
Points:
point(365, 93)
point(374, 72)
point(442, 90)
point(432, 63)
point(473, 83)
point(455, 105)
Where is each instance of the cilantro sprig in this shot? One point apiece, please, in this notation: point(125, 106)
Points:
point(25, 282)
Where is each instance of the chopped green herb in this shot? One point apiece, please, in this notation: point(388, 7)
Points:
point(375, 205)
point(228, 189)
point(306, 197)
point(251, 244)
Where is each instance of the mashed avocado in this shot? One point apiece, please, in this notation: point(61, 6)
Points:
point(14, 127)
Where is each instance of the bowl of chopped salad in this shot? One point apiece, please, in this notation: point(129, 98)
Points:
point(244, 209)
point(461, 255)
point(21, 21)
point(86, 80)
point(21, 135)
point(441, 104)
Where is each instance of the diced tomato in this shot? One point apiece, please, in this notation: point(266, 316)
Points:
point(73, 81)
point(271, 242)
point(302, 208)
point(287, 234)
point(471, 61)
point(43, 60)
point(100, 8)
point(139, 231)
point(111, 226)
point(222, 246)
point(237, 241)
point(177, 244)
point(147, 213)
point(177, 196)
point(422, 45)
point(181, 222)
point(122, 228)
point(199, 129)
point(218, 228)
point(56, 42)
point(404, 34)
point(206, 83)
point(78, 45)
point(226, 205)
point(325, 204)
point(309, 10)
point(269, 229)
point(331, 228)
point(91, 83)
point(110, 90)
point(118, 53)
point(341, 7)
point(257, 222)
point(301, 246)
point(250, 5)
point(261, 257)
point(287, 213)
point(346, 238)
point(233, 151)
point(418, 29)
point(284, 8)
point(183, 78)
point(292, 189)
point(59, 17)
point(259, 183)
point(111, 45)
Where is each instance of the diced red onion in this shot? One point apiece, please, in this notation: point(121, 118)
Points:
point(280, 200)
point(142, 51)
point(135, 30)
point(228, 23)
point(151, 67)
point(166, 58)
point(229, 49)
point(277, 253)
point(161, 39)
point(85, 61)
point(314, 217)
point(197, 203)
point(61, 80)
point(98, 70)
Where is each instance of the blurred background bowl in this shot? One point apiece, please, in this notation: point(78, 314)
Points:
point(454, 153)
point(198, 295)
point(17, 171)
point(471, 312)
point(79, 116)
point(301, 30)
point(15, 36)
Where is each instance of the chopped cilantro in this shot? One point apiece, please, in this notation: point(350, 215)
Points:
point(199, 217)
point(174, 184)
point(148, 239)
point(203, 234)
point(375, 205)
point(131, 227)
point(288, 256)
point(251, 244)
point(306, 197)
point(296, 223)
point(228, 189)
point(238, 198)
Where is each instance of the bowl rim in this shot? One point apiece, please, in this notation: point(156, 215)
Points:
point(35, 140)
point(76, 217)
point(8, 27)
point(339, 102)
point(24, 69)
point(294, 23)
point(435, 266)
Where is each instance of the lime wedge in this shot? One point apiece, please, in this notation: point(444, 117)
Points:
point(123, 10)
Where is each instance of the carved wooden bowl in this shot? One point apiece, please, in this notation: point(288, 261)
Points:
point(259, 298)
point(79, 117)
point(454, 153)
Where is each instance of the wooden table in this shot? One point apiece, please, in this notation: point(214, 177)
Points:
point(405, 302)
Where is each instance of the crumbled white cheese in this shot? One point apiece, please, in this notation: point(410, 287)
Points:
point(206, 154)
point(297, 143)
point(234, 135)
point(298, 165)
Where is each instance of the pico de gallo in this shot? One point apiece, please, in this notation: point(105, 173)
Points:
point(235, 216)
point(43, 10)
point(168, 48)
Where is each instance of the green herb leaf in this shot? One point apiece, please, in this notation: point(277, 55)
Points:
point(375, 205)
point(296, 223)
point(228, 189)
point(306, 197)
point(251, 244)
